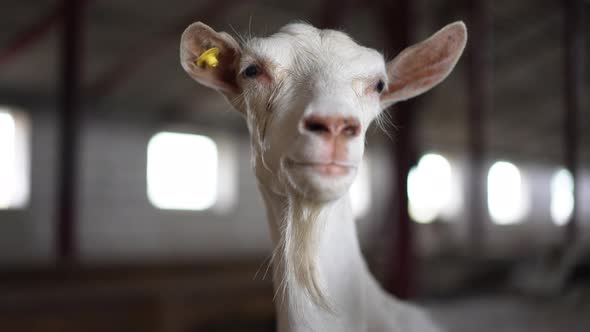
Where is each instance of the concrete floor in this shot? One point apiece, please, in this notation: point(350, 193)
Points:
point(513, 313)
point(225, 298)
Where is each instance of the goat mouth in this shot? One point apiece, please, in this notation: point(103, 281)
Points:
point(332, 168)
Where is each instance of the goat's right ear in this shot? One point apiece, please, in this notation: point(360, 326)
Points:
point(198, 38)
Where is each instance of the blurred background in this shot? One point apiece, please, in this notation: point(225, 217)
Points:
point(127, 202)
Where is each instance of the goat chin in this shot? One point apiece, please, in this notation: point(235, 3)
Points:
point(314, 188)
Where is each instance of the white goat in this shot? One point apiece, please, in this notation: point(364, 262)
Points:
point(308, 96)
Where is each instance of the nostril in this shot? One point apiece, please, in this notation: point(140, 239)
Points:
point(352, 127)
point(351, 131)
point(316, 126)
point(332, 126)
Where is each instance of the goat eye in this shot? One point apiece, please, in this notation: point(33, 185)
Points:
point(252, 71)
point(380, 86)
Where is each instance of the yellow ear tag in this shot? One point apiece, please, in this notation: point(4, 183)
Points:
point(208, 58)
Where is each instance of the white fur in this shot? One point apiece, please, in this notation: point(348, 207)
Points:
point(319, 274)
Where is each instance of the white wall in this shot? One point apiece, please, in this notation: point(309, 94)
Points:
point(118, 223)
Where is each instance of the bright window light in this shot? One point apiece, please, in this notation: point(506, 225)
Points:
point(14, 160)
point(360, 191)
point(429, 188)
point(507, 200)
point(182, 171)
point(562, 196)
point(7, 156)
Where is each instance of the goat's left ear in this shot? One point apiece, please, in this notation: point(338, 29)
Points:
point(221, 76)
point(420, 67)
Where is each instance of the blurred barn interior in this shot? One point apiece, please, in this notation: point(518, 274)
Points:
point(127, 202)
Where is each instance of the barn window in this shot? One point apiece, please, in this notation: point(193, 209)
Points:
point(429, 188)
point(14, 159)
point(562, 196)
point(182, 171)
point(507, 197)
point(360, 191)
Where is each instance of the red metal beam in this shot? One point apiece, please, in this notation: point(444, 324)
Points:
point(135, 60)
point(33, 34)
point(30, 36)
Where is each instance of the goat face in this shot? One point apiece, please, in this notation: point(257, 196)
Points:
point(309, 95)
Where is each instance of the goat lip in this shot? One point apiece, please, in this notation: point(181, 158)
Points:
point(333, 168)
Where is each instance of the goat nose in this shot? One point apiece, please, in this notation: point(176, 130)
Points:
point(332, 126)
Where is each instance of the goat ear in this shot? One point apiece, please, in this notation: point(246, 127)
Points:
point(198, 38)
point(422, 66)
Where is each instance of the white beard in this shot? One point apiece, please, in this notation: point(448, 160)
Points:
point(296, 252)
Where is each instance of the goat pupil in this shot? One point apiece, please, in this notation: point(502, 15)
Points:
point(251, 71)
point(380, 86)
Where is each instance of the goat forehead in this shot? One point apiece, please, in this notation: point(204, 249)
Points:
point(321, 51)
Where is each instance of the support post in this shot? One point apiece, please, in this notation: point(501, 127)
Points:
point(572, 93)
point(479, 89)
point(332, 12)
point(68, 131)
point(403, 283)
point(402, 262)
